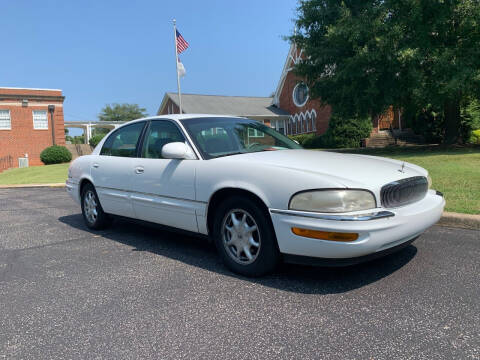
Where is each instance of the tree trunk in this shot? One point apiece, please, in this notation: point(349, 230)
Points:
point(452, 121)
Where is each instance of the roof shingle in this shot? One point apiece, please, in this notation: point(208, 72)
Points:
point(227, 105)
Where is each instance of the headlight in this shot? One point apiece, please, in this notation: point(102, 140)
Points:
point(429, 179)
point(333, 201)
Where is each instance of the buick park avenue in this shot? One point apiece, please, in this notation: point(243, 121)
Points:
point(258, 195)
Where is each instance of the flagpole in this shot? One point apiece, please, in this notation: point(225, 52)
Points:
point(176, 65)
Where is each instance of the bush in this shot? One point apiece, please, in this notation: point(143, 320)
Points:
point(78, 140)
point(343, 132)
point(475, 137)
point(55, 155)
point(302, 138)
point(95, 139)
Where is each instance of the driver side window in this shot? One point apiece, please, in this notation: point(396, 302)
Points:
point(160, 133)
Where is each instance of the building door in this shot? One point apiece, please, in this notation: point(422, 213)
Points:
point(388, 120)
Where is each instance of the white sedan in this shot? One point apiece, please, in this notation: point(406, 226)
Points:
point(257, 194)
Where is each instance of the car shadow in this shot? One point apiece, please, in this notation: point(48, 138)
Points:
point(197, 251)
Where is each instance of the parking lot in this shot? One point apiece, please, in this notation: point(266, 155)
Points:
point(139, 291)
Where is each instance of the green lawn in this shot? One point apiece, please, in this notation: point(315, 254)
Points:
point(35, 175)
point(455, 171)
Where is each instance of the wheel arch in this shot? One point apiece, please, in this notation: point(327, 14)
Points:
point(221, 194)
point(84, 181)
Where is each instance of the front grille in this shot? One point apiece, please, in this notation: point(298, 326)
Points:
point(403, 192)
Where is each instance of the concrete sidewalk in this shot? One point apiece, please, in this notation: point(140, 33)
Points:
point(32, 185)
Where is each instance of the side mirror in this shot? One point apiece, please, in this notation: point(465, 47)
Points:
point(178, 150)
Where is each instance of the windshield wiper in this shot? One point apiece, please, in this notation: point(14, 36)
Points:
point(234, 153)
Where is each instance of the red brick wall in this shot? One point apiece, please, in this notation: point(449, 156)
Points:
point(286, 103)
point(23, 138)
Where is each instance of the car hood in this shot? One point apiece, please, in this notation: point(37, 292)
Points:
point(350, 170)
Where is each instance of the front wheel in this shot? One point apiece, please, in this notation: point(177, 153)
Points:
point(93, 214)
point(245, 238)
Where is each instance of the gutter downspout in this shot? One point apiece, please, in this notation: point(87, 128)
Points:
point(51, 110)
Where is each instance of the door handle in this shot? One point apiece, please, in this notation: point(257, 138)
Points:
point(139, 170)
point(95, 165)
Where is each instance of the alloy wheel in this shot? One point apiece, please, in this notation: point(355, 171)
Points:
point(241, 236)
point(90, 207)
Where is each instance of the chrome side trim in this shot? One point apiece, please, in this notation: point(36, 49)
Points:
point(355, 217)
point(149, 194)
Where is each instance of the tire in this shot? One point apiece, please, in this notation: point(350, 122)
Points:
point(234, 235)
point(93, 215)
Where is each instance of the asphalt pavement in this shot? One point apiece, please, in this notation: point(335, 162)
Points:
point(137, 291)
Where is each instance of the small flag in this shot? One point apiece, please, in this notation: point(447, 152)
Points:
point(181, 69)
point(182, 44)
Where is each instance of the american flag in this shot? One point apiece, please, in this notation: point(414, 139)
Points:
point(182, 44)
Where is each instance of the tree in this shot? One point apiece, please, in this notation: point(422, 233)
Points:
point(364, 56)
point(121, 112)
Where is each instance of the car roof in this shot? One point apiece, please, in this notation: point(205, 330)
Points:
point(178, 117)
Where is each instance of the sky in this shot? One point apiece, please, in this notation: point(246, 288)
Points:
point(104, 51)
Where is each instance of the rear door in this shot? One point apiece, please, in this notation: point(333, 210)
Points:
point(112, 169)
point(163, 190)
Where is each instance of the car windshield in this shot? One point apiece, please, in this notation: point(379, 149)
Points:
point(216, 137)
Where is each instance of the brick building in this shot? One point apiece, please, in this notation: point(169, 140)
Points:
point(291, 95)
point(26, 126)
point(308, 115)
point(290, 111)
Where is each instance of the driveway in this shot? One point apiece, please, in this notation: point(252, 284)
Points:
point(139, 291)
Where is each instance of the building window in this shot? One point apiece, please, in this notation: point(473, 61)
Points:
point(5, 122)
point(40, 119)
point(255, 133)
point(314, 121)
point(300, 94)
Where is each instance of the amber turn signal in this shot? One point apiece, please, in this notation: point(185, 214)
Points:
point(325, 235)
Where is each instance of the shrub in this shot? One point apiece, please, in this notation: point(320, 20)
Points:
point(343, 132)
point(78, 140)
point(302, 138)
point(95, 139)
point(475, 137)
point(55, 155)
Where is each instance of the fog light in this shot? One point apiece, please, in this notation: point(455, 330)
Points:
point(325, 235)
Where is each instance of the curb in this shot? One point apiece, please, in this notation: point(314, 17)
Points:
point(19, 186)
point(464, 221)
point(448, 219)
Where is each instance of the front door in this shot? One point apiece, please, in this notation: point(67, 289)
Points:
point(111, 169)
point(163, 190)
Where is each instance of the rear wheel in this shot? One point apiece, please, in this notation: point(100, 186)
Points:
point(245, 238)
point(93, 214)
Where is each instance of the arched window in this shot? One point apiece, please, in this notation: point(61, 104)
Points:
point(314, 121)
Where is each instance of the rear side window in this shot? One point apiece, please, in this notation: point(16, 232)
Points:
point(160, 133)
point(124, 141)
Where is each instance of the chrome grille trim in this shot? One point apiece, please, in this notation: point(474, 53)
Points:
point(404, 192)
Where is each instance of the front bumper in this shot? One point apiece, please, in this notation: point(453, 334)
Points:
point(376, 233)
